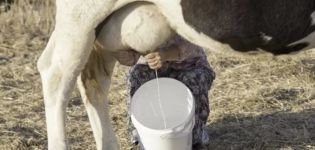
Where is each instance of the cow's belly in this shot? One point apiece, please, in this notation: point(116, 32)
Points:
point(138, 26)
point(277, 26)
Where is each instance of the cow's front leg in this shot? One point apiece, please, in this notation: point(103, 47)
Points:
point(94, 83)
point(59, 65)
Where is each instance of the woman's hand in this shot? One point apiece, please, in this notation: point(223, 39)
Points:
point(154, 60)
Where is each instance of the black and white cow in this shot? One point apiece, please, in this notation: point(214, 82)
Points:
point(277, 26)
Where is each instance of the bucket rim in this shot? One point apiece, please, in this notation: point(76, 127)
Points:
point(137, 123)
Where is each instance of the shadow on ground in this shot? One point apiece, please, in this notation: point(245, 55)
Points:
point(279, 130)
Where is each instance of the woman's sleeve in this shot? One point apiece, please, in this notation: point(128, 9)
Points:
point(127, 57)
point(187, 49)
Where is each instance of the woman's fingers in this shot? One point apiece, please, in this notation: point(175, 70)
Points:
point(155, 65)
point(152, 56)
point(154, 60)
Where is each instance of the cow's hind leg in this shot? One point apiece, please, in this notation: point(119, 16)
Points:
point(59, 65)
point(94, 83)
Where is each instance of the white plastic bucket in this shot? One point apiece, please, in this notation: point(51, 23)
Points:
point(177, 104)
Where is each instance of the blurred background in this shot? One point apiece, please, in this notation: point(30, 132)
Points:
point(258, 101)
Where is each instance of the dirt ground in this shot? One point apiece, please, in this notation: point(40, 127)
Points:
point(258, 101)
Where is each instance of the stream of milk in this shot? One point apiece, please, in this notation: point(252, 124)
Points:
point(159, 99)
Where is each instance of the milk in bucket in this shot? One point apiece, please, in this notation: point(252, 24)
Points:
point(165, 123)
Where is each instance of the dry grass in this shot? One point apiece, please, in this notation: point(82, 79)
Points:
point(258, 101)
